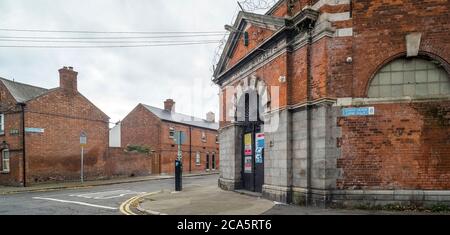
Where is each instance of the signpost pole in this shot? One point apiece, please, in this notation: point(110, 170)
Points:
point(179, 138)
point(82, 164)
point(83, 142)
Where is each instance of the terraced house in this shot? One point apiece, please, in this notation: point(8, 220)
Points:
point(338, 102)
point(155, 128)
point(40, 132)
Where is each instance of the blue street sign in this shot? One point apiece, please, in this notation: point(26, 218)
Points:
point(365, 111)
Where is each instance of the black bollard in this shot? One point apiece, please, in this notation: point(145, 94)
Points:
point(178, 176)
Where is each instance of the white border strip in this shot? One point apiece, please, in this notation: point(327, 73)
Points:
point(75, 202)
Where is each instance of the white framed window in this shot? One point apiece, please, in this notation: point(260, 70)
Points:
point(203, 136)
point(5, 161)
point(171, 133)
point(2, 124)
point(197, 159)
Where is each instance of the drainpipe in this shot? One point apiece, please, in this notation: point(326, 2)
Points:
point(309, 116)
point(24, 162)
point(190, 149)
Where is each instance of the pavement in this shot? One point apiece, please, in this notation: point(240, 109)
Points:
point(4, 190)
point(203, 200)
point(211, 200)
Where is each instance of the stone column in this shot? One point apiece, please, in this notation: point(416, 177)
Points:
point(278, 160)
point(230, 139)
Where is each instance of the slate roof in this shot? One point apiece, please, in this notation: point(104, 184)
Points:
point(23, 92)
point(181, 118)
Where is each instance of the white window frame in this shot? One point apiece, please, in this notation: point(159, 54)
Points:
point(5, 161)
point(198, 159)
point(171, 133)
point(2, 124)
point(203, 136)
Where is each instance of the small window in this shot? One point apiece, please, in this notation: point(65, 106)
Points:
point(171, 133)
point(217, 139)
point(204, 136)
point(197, 159)
point(246, 39)
point(2, 124)
point(5, 161)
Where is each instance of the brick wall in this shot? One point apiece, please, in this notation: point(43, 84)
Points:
point(141, 127)
point(128, 164)
point(256, 36)
point(404, 146)
point(380, 28)
point(55, 154)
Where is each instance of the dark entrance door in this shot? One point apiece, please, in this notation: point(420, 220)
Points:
point(253, 145)
point(207, 162)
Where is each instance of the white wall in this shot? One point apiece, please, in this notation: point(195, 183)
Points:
point(114, 136)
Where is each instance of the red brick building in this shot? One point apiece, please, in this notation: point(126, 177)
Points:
point(155, 128)
point(352, 97)
point(40, 130)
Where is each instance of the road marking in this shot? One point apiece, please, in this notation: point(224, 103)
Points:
point(75, 202)
point(107, 194)
point(125, 207)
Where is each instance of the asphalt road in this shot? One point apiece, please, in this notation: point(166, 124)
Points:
point(99, 200)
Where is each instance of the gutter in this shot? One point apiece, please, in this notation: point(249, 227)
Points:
point(190, 149)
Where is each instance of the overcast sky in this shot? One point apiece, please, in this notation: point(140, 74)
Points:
point(117, 79)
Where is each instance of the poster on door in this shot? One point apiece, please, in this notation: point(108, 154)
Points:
point(260, 142)
point(248, 166)
point(248, 144)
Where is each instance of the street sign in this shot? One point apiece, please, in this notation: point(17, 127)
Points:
point(365, 111)
point(180, 137)
point(83, 139)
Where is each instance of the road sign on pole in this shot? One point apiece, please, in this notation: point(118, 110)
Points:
point(180, 138)
point(83, 142)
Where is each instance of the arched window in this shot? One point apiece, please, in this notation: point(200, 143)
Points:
point(417, 78)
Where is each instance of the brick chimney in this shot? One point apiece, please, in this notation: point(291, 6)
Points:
point(211, 117)
point(169, 105)
point(68, 80)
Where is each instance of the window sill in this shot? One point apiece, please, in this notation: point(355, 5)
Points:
point(5, 172)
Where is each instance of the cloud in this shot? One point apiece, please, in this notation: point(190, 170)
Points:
point(116, 80)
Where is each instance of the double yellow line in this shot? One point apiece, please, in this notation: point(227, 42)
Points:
point(125, 207)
